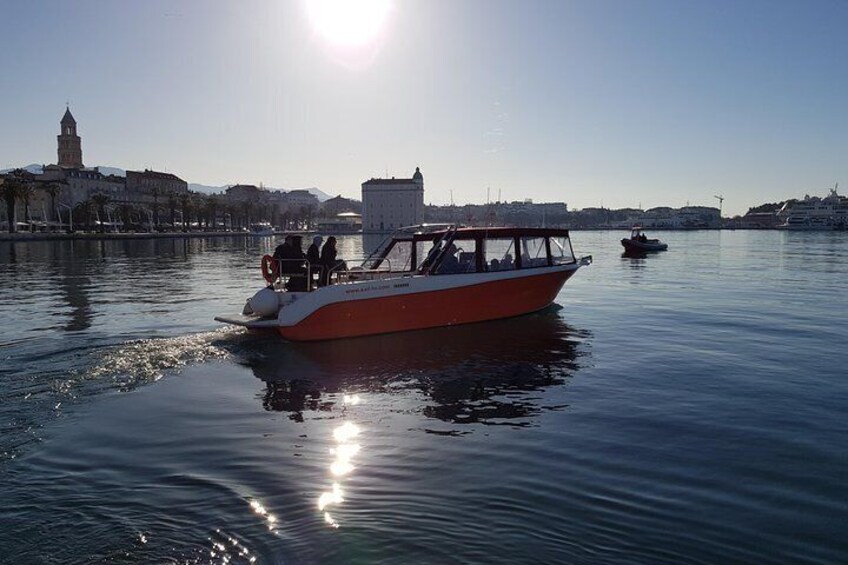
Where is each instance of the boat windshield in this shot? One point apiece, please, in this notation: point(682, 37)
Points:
point(561, 251)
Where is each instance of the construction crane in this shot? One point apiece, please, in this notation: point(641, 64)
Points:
point(720, 199)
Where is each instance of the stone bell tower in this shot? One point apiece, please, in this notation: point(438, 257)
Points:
point(70, 145)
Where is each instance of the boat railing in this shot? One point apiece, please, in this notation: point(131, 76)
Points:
point(382, 269)
point(296, 275)
point(299, 275)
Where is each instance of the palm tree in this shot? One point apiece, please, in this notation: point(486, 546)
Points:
point(247, 209)
point(199, 207)
point(84, 209)
point(212, 205)
point(185, 202)
point(156, 191)
point(26, 193)
point(11, 192)
point(232, 211)
point(125, 210)
point(172, 205)
point(53, 189)
point(101, 200)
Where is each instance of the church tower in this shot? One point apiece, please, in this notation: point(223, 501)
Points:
point(70, 145)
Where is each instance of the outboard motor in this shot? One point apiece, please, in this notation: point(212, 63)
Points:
point(263, 303)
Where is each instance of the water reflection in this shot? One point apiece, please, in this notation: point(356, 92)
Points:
point(344, 451)
point(479, 373)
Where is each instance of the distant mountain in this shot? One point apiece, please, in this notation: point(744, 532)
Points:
point(33, 168)
point(38, 169)
point(113, 171)
point(206, 189)
point(194, 187)
point(319, 194)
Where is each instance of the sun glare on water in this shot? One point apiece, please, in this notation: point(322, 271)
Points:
point(348, 23)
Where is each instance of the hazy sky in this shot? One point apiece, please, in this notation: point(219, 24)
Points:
point(613, 102)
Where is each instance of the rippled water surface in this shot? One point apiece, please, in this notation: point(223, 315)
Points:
point(688, 406)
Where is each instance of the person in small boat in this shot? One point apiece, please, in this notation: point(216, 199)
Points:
point(507, 264)
point(329, 262)
point(449, 264)
point(313, 255)
point(494, 265)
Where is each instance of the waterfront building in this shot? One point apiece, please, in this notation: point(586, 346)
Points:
point(344, 222)
point(301, 199)
point(147, 183)
point(79, 185)
point(339, 205)
point(388, 204)
point(246, 192)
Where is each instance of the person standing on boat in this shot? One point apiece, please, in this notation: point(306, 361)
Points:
point(329, 261)
point(298, 282)
point(313, 255)
point(288, 254)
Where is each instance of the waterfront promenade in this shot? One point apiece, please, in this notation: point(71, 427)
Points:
point(43, 236)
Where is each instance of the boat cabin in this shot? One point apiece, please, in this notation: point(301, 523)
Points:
point(636, 234)
point(429, 250)
point(472, 250)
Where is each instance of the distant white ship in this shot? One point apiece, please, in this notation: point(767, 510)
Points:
point(816, 214)
point(262, 229)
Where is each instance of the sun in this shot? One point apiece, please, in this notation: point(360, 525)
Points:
point(348, 23)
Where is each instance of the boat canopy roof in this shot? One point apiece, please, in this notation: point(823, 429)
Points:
point(427, 233)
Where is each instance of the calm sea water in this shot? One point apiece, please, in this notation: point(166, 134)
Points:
point(689, 406)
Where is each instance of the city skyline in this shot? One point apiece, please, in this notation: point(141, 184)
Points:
point(613, 103)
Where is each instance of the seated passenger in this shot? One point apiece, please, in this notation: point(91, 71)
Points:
point(449, 263)
point(494, 265)
point(507, 264)
point(284, 249)
point(313, 255)
point(329, 261)
point(467, 262)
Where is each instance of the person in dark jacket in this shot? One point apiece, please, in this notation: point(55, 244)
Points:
point(313, 255)
point(288, 254)
point(283, 251)
point(329, 261)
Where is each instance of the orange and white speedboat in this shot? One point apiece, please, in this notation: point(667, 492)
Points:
point(420, 277)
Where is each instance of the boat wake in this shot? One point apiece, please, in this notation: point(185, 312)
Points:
point(29, 401)
point(143, 361)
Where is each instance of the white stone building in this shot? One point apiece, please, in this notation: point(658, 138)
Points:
point(388, 204)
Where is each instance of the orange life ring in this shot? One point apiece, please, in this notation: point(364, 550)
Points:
point(270, 269)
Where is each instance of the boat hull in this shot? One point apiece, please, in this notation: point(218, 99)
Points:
point(641, 247)
point(486, 300)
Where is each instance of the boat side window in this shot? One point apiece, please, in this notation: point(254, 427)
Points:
point(426, 251)
point(500, 254)
point(534, 253)
point(399, 257)
point(466, 255)
point(561, 251)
